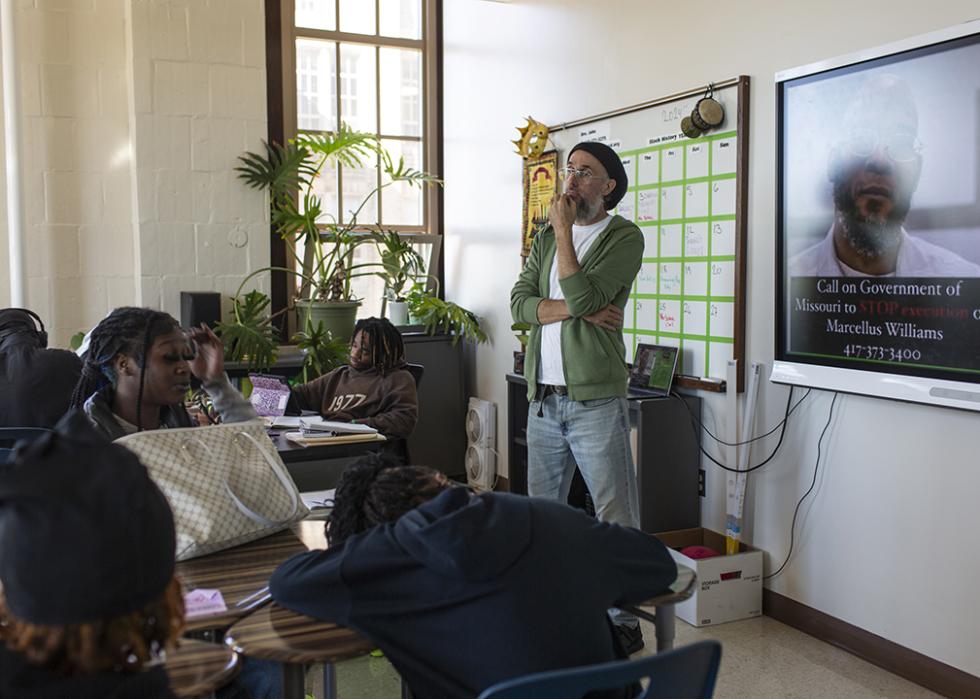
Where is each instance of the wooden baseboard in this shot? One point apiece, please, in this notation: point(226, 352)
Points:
point(915, 667)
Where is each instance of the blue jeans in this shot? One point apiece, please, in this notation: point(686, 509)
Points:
point(593, 434)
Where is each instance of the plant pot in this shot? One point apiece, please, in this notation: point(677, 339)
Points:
point(338, 316)
point(519, 362)
point(398, 312)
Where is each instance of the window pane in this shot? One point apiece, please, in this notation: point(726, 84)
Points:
point(316, 85)
point(401, 204)
point(358, 97)
point(357, 184)
point(401, 18)
point(316, 14)
point(401, 92)
point(325, 187)
point(357, 16)
point(369, 288)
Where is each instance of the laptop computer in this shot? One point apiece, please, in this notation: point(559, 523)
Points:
point(652, 373)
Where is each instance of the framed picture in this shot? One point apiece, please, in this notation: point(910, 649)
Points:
point(878, 221)
point(540, 185)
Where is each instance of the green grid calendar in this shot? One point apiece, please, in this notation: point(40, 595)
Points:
point(682, 195)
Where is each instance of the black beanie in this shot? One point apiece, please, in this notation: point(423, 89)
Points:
point(614, 168)
point(85, 535)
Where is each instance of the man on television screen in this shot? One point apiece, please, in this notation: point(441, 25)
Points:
point(874, 168)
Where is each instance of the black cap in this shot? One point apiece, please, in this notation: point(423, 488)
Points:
point(85, 534)
point(614, 168)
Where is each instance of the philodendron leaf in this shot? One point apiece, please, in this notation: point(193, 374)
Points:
point(250, 335)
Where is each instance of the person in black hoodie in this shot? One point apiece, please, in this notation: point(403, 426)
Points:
point(89, 601)
point(375, 389)
point(35, 382)
point(464, 591)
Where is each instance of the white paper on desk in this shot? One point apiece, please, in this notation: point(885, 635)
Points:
point(285, 421)
point(318, 424)
point(318, 499)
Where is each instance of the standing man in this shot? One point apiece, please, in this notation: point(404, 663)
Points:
point(35, 382)
point(572, 291)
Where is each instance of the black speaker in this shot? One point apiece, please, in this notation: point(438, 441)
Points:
point(198, 307)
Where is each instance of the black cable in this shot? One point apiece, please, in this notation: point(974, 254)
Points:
point(816, 466)
point(696, 424)
point(779, 424)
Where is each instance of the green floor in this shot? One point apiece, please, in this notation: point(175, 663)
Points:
point(361, 678)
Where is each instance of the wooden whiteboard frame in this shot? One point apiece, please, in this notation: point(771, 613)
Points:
point(741, 83)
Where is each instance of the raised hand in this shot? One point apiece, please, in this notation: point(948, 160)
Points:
point(562, 213)
point(209, 360)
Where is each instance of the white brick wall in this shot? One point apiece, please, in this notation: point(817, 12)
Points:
point(199, 105)
point(195, 75)
point(74, 97)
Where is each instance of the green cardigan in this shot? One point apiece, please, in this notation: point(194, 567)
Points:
point(593, 357)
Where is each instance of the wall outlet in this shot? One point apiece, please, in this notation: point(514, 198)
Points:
point(701, 476)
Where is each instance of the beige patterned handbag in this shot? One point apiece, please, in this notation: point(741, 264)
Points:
point(225, 483)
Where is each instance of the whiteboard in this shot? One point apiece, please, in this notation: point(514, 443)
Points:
point(688, 197)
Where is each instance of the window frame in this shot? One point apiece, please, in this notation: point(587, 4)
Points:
point(283, 118)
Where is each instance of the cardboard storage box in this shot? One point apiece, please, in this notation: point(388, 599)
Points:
point(728, 587)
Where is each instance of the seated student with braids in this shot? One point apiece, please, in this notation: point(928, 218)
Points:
point(138, 369)
point(89, 601)
point(461, 591)
point(374, 390)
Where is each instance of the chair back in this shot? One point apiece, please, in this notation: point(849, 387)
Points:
point(688, 672)
point(9, 436)
point(416, 370)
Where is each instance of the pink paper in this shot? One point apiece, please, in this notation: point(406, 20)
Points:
point(200, 603)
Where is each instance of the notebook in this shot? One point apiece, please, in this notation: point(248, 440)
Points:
point(652, 373)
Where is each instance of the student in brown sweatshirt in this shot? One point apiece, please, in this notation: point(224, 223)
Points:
point(375, 389)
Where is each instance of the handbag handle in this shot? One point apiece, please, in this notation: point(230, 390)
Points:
point(277, 469)
point(280, 472)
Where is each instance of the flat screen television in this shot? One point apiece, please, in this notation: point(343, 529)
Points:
point(878, 221)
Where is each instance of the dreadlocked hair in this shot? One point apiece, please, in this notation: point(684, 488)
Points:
point(129, 331)
point(126, 642)
point(387, 348)
point(375, 489)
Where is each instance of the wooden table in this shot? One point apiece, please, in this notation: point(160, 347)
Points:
point(663, 617)
point(197, 668)
point(275, 633)
point(239, 573)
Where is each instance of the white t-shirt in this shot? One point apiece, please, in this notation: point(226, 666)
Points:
point(552, 367)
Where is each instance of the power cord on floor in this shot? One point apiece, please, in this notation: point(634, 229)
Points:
point(813, 483)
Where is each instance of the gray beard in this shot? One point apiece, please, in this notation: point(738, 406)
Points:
point(588, 211)
point(870, 239)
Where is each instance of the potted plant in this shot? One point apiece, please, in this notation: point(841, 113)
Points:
point(327, 267)
point(521, 331)
point(438, 315)
point(400, 264)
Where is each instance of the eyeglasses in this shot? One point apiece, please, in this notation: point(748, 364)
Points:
point(900, 147)
point(570, 173)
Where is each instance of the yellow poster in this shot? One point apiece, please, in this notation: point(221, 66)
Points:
point(540, 185)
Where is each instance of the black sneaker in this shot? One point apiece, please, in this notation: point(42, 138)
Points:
point(630, 637)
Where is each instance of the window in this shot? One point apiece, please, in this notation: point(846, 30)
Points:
point(373, 63)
